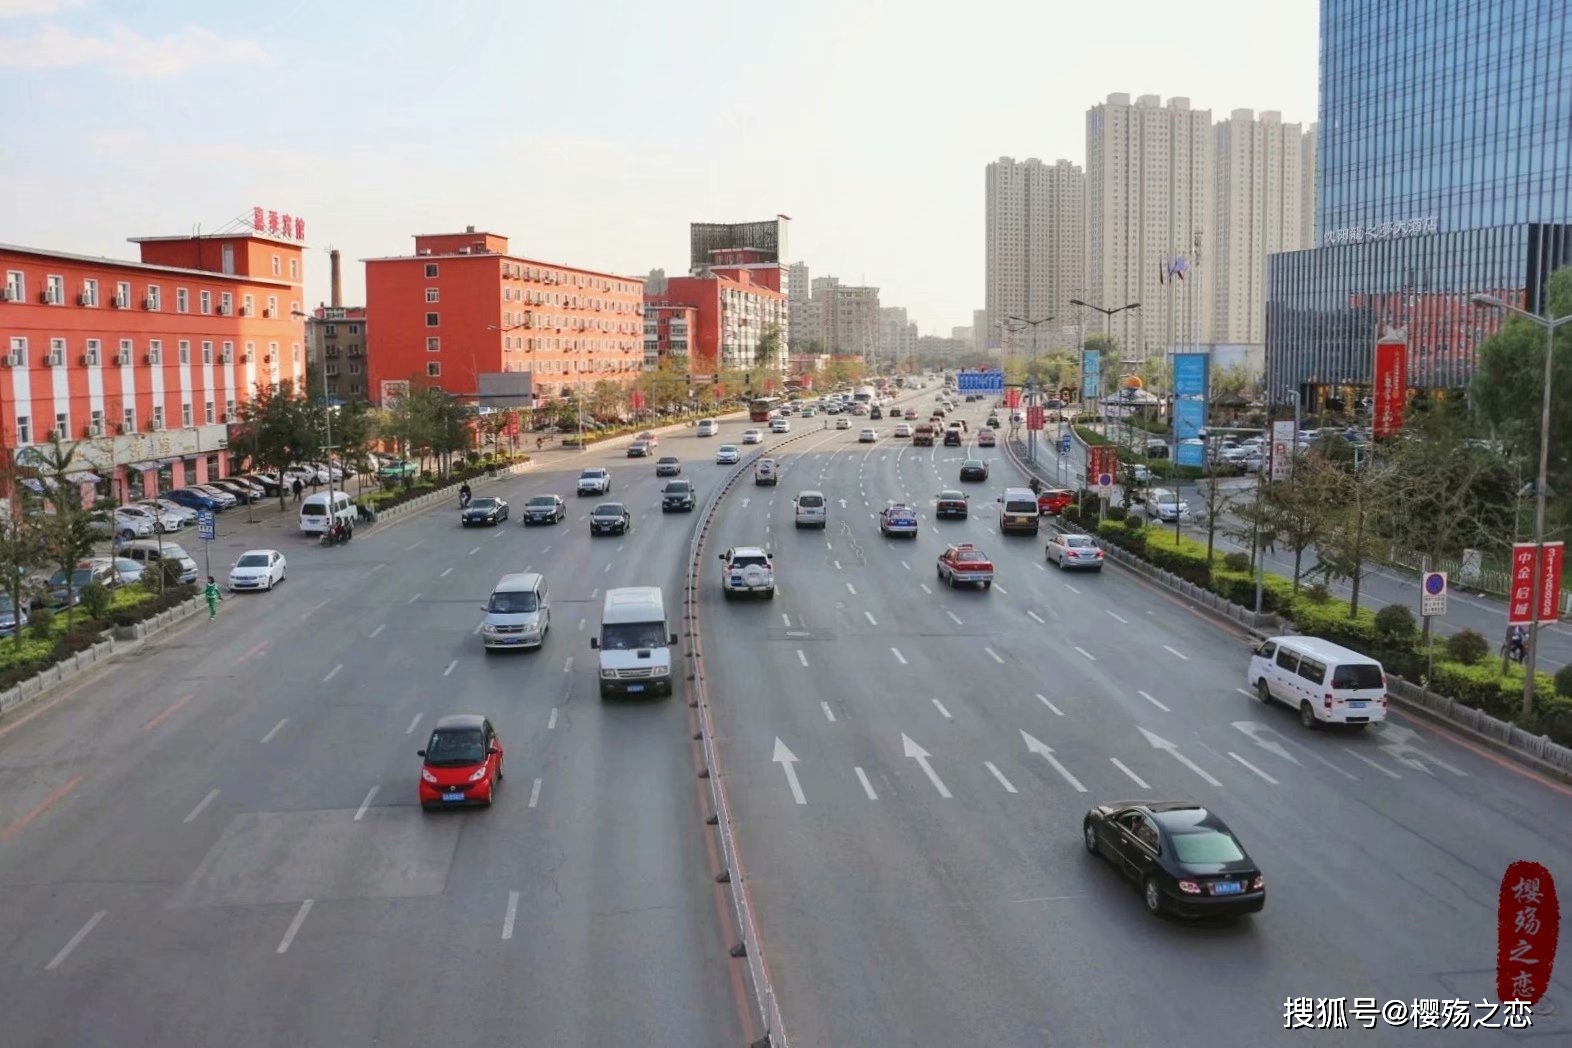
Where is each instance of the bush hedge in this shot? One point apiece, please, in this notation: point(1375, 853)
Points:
point(52, 637)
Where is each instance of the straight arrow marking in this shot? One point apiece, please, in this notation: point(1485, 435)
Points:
point(788, 762)
point(1037, 746)
point(1160, 743)
point(1253, 768)
point(920, 755)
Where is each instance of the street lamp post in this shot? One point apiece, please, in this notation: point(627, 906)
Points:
point(327, 407)
point(1031, 385)
point(1550, 324)
point(1108, 315)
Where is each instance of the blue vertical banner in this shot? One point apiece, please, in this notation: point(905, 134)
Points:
point(1192, 389)
point(1091, 375)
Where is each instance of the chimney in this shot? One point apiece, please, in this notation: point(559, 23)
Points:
point(338, 280)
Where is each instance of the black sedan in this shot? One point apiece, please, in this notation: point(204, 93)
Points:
point(677, 497)
point(974, 469)
point(487, 510)
point(668, 466)
point(545, 509)
point(610, 518)
point(951, 505)
point(1184, 858)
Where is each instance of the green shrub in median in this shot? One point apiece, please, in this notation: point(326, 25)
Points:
point(1467, 647)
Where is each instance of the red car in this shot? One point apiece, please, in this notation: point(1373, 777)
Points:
point(463, 763)
point(965, 563)
point(1051, 503)
point(985, 438)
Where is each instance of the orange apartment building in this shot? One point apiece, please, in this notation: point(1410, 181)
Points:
point(727, 314)
point(462, 306)
point(141, 365)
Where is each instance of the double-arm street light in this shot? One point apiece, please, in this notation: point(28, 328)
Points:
point(1550, 324)
point(1031, 384)
point(1108, 313)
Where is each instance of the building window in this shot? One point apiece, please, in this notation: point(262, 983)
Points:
point(158, 416)
point(433, 320)
point(89, 293)
point(433, 369)
point(205, 302)
point(185, 351)
point(294, 269)
point(155, 351)
point(229, 411)
point(272, 306)
point(431, 269)
point(248, 305)
point(95, 424)
point(226, 303)
point(431, 295)
point(251, 352)
point(128, 420)
point(182, 300)
point(186, 418)
point(278, 265)
point(155, 298)
point(433, 344)
point(127, 347)
point(354, 367)
point(54, 290)
point(207, 413)
point(24, 430)
point(15, 285)
point(62, 429)
point(92, 357)
point(330, 330)
point(207, 352)
point(123, 294)
point(354, 329)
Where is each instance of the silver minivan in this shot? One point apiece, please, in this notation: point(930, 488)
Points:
point(809, 510)
point(149, 552)
point(518, 614)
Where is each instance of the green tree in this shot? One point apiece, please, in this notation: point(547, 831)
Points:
point(1235, 379)
point(65, 530)
point(278, 427)
point(768, 352)
point(20, 549)
point(666, 385)
point(1354, 496)
point(606, 399)
point(1297, 514)
point(354, 431)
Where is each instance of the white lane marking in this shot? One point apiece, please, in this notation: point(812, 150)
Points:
point(1044, 700)
point(1001, 589)
point(373, 634)
point(1071, 588)
point(1443, 765)
point(867, 787)
point(451, 667)
point(1360, 756)
point(1008, 786)
point(411, 729)
point(1036, 616)
point(994, 655)
point(1119, 618)
point(375, 568)
point(871, 620)
point(786, 620)
point(445, 573)
point(1180, 654)
point(1246, 694)
point(581, 624)
point(416, 544)
point(1253, 768)
point(940, 707)
point(619, 547)
point(954, 617)
point(1154, 702)
point(802, 656)
point(898, 656)
point(479, 626)
point(567, 665)
point(925, 588)
point(1088, 654)
point(510, 915)
point(849, 587)
point(76, 940)
point(1159, 743)
point(905, 565)
point(474, 551)
point(212, 795)
point(276, 729)
point(829, 714)
point(1038, 565)
point(594, 593)
point(837, 565)
point(294, 925)
point(332, 673)
point(534, 793)
point(1117, 763)
point(828, 546)
point(606, 568)
point(413, 599)
point(551, 722)
point(360, 812)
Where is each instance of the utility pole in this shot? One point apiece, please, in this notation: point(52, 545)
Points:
point(1032, 388)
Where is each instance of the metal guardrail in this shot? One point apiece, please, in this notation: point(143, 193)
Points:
point(751, 946)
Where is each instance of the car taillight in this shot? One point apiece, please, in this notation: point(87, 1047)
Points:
point(1259, 884)
point(1190, 887)
point(1099, 554)
point(1326, 701)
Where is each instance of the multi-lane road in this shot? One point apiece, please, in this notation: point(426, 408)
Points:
point(216, 840)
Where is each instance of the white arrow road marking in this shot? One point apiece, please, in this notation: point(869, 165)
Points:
point(1160, 743)
point(1383, 770)
point(1044, 700)
point(829, 714)
point(940, 707)
point(1253, 768)
point(788, 762)
point(76, 940)
point(1037, 746)
point(1008, 786)
point(1088, 654)
point(510, 915)
point(1180, 654)
point(745, 503)
point(842, 502)
point(1154, 702)
point(1119, 618)
point(802, 657)
point(1399, 742)
point(898, 656)
point(294, 925)
point(994, 655)
point(1117, 763)
point(920, 755)
point(1260, 734)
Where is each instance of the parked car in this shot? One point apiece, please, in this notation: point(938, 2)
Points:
point(192, 498)
point(124, 522)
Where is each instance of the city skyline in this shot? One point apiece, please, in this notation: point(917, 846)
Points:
point(155, 120)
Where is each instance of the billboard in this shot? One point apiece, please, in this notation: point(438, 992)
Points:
point(706, 237)
point(1091, 374)
point(1192, 389)
point(1524, 566)
point(1391, 383)
point(1280, 455)
point(506, 389)
point(394, 390)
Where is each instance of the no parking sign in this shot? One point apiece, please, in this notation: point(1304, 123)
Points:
point(1432, 594)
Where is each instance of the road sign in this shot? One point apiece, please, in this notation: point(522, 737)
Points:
point(1034, 418)
point(1105, 480)
point(979, 382)
point(1064, 444)
point(1432, 594)
point(207, 525)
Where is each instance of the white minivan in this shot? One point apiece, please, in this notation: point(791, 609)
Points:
point(635, 643)
point(707, 427)
point(149, 552)
point(1327, 683)
point(518, 614)
point(320, 510)
point(809, 510)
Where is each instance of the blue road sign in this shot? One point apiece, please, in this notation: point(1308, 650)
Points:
point(979, 382)
point(207, 525)
point(1064, 445)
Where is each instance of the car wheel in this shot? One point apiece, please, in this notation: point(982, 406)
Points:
point(987, 583)
point(128, 534)
point(269, 586)
point(1307, 715)
point(769, 594)
point(1263, 692)
point(951, 579)
point(491, 794)
point(1152, 893)
point(1089, 836)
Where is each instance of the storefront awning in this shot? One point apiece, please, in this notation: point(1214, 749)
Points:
point(143, 466)
point(38, 485)
point(168, 461)
point(84, 477)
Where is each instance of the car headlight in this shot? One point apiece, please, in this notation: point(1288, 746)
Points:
point(425, 773)
point(607, 674)
point(488, 628)
point(478, 774)
point(661, 671)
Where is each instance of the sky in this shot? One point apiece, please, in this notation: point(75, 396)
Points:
point(592, 133)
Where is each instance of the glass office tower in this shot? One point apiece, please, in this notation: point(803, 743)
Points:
point(1444, 168)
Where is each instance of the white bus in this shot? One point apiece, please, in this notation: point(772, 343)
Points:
point(864, 395)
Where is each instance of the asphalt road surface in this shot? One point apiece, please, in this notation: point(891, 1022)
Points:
point(930, 886)
point(216, 841)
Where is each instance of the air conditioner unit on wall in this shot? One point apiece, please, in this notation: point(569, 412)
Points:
point(154, 425)
point(120, 302)
point(93, 429)
point(123, 427)
point(84, 299)
point(54, 360)
point(270, 313)
point(12, 360)
point(225, 357)
point(150, 303)
point(123, 357)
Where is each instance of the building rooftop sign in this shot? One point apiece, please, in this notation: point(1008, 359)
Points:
point(1412, 227)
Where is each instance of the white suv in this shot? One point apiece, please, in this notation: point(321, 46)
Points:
point(749, 569)
point(595, 481)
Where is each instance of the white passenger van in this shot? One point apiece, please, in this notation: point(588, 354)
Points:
point(809, 510)
point(150, 552)
point(1325, 682)
point(518, 614)
point(1018, 511)
point(707, 427)
point(635, 643)
point(320, 510)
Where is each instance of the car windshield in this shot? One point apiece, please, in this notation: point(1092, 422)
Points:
point(1079, 542)
point(626, 636)
point(1207, 846)
point(1360, 676)
point(592, 474)
point(951, 496)
point(677, 487)
point(974, 464)
point(543, 502)
point(1020, 506)
point(728, 449)
point(607, 509)
point(512, 603)
point(252, 560)
point(78, 578)
point(452, 748)
point(811, 501)
point(668, 460)
point(971, 556)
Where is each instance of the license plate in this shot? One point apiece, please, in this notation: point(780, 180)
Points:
point(452, 796)
point(635, 688)
point(1356, 705)
point(1227, 888)
point(512, 640)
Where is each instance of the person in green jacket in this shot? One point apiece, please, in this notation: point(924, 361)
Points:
point(212, 595)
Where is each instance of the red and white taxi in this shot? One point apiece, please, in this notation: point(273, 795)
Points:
point(965, 563)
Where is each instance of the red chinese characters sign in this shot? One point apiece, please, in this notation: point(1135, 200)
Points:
point(1104, 458)
point(1391, 387)
point(1524, 568)
point(1012, 398)
point(636, 400)
point(277, 224)
point(1035, 417)
point(1528, 924)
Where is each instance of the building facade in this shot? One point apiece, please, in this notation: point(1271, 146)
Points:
point(724, 317)
point(1148, 202)
point(1443, 171)
point(336, 338)
point(897, 335)
point(141, 366)
point(1034, 245)
point(464, 305)
point(801, 321)
point(668, 332)
point(848, 317)
point(980, 337)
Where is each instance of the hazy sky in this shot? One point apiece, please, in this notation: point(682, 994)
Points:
point(592, 133)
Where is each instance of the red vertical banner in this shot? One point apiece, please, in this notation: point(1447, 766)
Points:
point(636, 400)
point(1012, 398)
point(1391, 387)
point(1034, 417)
point(1550, 564)
point(1525, 565)
point(1528, 924)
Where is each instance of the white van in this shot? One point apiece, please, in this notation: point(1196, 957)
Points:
point(321, 509)
point(149, 553)
point(1325, 682)
point(1018, 511)
point(518, 614)
point(766, 471)
point(707, 427)
point(635, 643)
point(810, 510)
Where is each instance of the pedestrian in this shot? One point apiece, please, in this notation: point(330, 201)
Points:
point(212, 595)
point(297, 487)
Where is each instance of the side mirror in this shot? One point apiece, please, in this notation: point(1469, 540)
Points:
point(492, 751)
point(484, 607)
point(420, 753)
point(723, 556)
point(594, 642)
point(673, 640)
